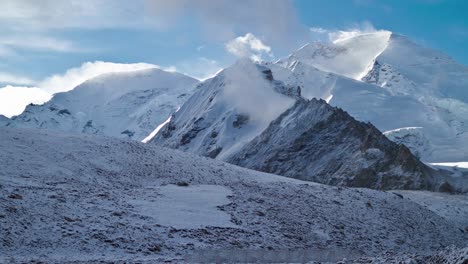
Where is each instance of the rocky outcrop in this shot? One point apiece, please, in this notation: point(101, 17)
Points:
point(317, 142)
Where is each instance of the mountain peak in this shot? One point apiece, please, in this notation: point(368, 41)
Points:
point(351, 54)
point(315, 141)
point(121, 104)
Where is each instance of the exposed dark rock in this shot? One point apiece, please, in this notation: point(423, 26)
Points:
point(214, 153)
point(64, 112)
point(183, 184)
point(128, 133)
point(317, 142)
point(240, 120)
point(15, 196)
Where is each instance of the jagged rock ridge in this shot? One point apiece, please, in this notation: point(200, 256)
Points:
point(317, 142)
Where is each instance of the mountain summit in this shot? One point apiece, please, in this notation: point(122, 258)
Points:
point(411, 86)
point(317, 142)
point(125, 105)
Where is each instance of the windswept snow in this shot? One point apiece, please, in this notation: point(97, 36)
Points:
point(76, 197)
point(158, 128)
point(126, 105)
point(351, 56)
point(156, 131)
point(452, 164)
point(249, 92)
point(227, 111)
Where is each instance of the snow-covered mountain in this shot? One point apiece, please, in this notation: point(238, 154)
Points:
point(317, 142)
point(351, 56)
point(413, 138)
point(83, 198)
point(412, 86)
point(228, 111)
point(227, 119)
point(4, 120)
point(126, 105)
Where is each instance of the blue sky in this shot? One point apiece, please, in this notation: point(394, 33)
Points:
point(39, 39)
point(186, 41)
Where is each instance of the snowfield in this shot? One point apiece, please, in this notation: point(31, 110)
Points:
point(83, 198)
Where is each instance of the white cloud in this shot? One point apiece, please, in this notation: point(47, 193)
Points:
point(318, 30)
point(58, 14)
point(334, 35)
point(75, 76)
point(14, 99)
point(248, 46)
point(36, 42)
point(222, 20)
point(252, 94)
point(352, 31)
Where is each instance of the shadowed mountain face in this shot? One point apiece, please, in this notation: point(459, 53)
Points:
point(317, 142)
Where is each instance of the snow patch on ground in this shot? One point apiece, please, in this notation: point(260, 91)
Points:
point(188, 206)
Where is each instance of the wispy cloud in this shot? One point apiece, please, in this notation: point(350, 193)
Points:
point(10, 78)
point(37, 25)
point(14, 99)
point(75, 76)
point(249, 46)
point(335, 35)
point(222, 20)
point(56, 14)
point(318, 30)
point(10, 44)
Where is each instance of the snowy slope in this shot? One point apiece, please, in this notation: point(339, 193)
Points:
point(413, 138)
point(227, 111)
point(126, 105)
point(363, 101)
point(75, 197)
point(350, 56)
point(437, 81)
point(4, 120)
point(412, 86)
point(314, 141)
point(433, 73)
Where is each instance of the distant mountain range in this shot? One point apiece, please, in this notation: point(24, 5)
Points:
point(414, 95)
